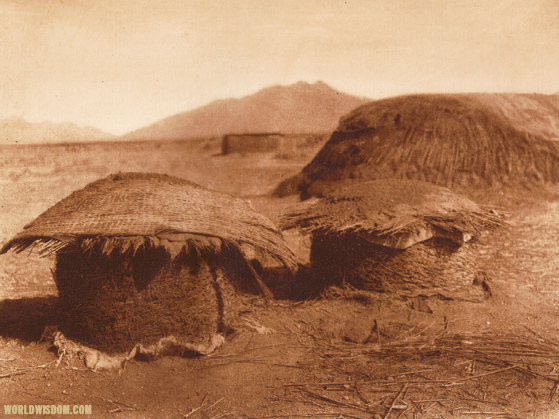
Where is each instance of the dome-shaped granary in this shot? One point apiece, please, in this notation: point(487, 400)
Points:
point(142, 256)
point(470, 140)
point(393, 235)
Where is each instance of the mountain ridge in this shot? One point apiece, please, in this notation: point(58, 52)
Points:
point(16, 130)
point(297, 108)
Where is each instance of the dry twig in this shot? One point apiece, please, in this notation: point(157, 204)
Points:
point(404, 388)
point(333, 401)
point(21, 371)
point(193, 411)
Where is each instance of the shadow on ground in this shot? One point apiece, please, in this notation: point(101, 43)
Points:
point(26, 318)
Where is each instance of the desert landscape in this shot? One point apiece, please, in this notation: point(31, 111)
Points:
point(341, 352)
point(279, 210)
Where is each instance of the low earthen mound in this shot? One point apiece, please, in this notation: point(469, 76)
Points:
point(460, 140)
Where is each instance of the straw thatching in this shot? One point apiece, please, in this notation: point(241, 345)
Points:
point(466, 141)
point(129, 212)
point(393, 235)
point(142, 256)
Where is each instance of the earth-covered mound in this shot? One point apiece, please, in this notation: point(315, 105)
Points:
point(469, 140)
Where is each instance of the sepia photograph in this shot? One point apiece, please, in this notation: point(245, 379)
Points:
point(279, 209)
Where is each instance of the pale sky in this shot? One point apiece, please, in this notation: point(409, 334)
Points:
point(119, 65)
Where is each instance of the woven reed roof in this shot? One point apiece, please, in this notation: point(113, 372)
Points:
point(129, 209)
point(393, 212)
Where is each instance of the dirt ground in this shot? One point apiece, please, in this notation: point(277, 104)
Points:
point(345, 354)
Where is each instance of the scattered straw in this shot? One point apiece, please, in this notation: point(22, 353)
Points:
point(448, 384)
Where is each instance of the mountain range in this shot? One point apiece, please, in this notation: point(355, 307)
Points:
point(294, 109)
point(297, 108)
point(16, 130)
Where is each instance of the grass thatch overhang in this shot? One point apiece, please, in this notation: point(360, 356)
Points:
point(131, 212)
point(394, 213)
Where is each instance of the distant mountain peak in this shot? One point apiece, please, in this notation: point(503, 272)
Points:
point(317, 85)
point(300, 107)
point(16, 130)
point(320, 84)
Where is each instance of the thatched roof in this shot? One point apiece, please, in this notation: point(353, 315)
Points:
point(132, 211)
point(392, 212)
point(464, 140)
